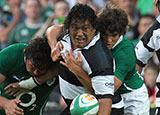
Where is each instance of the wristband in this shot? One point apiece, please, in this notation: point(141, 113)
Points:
point(28, 84)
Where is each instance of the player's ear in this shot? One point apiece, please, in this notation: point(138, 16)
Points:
point(35, 72)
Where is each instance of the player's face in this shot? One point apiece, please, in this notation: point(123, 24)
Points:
point(111, 40)
point(33, 70)
point(81, 33)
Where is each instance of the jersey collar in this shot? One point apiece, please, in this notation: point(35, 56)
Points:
point(92, 43)
point(119, 40)
point(158, 19)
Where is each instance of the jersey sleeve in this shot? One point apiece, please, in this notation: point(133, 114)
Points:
point(149, 43)
point(103, 86)
point(154, 42)
point(142, 54)
point(125, 62)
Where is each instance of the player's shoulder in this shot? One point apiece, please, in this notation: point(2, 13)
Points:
point(15, 47)
point(18, 45)
point(152, 31)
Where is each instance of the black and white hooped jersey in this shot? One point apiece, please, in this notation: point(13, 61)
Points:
point(150, 43)
point(96, 61)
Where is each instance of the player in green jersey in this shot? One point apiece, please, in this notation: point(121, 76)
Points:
point(19, 62)
point(129, 83)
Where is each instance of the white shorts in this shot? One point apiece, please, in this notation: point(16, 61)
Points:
point(136, 102)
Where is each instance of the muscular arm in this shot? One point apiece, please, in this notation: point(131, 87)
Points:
point(75, 66)
point(10, 106)
point(53, 33)
point(117, 83)
point(105, 106)
point(83, 77)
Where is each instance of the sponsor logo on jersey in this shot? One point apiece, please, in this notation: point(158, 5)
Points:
point(109, 84)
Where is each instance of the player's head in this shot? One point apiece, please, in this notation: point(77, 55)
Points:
point(81, 24)
point(113, 22)
point(37, 55)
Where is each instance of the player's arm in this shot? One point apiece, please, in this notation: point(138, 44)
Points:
point(75, 66)
point(10, 106)
point(117, 83)
point(53, 33)
point(104, 106)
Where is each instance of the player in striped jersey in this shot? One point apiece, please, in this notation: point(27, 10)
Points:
point(127, 80)
point(146, 47)
point(83, 36)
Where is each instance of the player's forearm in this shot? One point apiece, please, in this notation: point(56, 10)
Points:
point(53, 33)
point(2, 102)
point(52, 42)
point(105, 106)
point(117, 83)
point(85, 80)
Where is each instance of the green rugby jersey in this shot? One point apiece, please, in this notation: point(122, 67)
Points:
point(12, 65)
point(125, 66)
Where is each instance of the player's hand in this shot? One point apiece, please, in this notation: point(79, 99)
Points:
point(73, 64)
point(14, 89)
point(11, 107)
point(52, 34)
point(55, 54)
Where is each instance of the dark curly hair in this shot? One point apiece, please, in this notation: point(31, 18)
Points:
point(38, 51)
point(113, 20)
point(81, 12)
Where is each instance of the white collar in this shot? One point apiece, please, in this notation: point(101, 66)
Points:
point(93, 41)
point(158, 19)
point(119, 40)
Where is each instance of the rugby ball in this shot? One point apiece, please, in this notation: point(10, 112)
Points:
point(84, 104)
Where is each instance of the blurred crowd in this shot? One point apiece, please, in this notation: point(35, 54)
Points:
point(23, 20)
